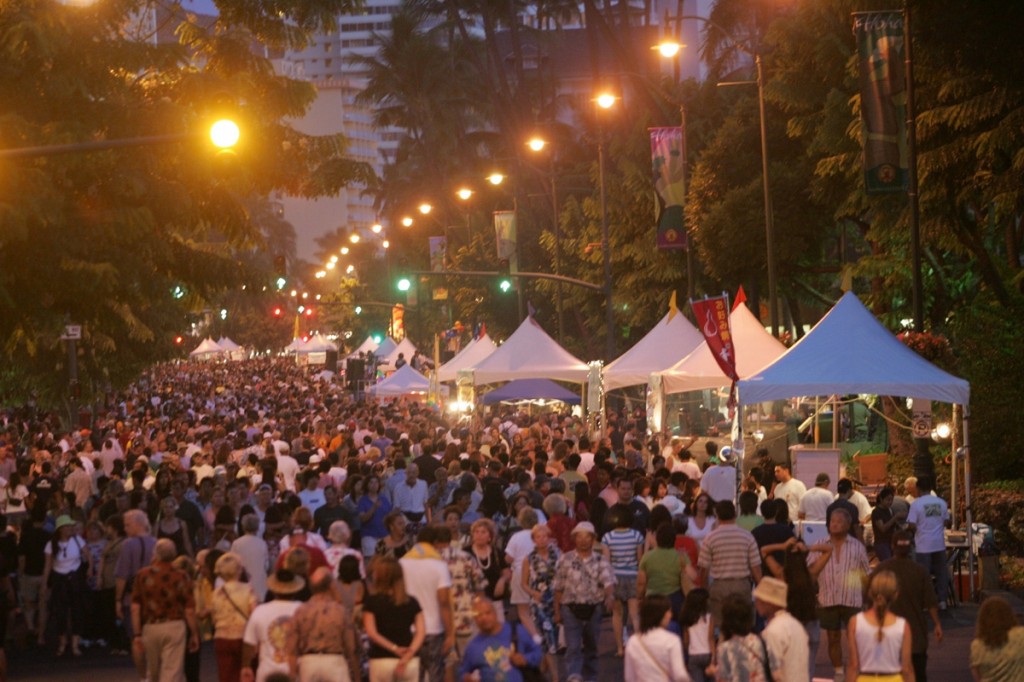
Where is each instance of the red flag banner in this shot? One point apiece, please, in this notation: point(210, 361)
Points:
point(712, 316)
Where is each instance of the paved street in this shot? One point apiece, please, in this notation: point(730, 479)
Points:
point(946, 663)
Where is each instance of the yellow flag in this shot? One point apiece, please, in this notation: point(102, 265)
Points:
point(295, 331)
point(673, 309)
point(846, 284)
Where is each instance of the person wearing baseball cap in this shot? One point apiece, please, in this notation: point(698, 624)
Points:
point(583, 586)
point(783, 635)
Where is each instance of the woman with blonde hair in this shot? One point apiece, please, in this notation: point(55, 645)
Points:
point(394, 624)
point(997, 652)
point(879, 639)
point(233, 602)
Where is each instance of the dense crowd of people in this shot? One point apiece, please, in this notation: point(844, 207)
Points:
point(311, 535)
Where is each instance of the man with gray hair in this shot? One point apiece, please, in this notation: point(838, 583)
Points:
point(136, 553)
point(164, 615)
point(253, 552)
point(321, 640)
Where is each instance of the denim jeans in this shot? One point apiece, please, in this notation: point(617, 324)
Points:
point(581, 644)
point(935, 564)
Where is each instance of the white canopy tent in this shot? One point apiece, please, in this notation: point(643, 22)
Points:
point(666, 344)
point(317, 344)
point(405, 380)
point(227, 344)
point(473, 354)
point(850, 351)
point(405, 347)
point(530, 354)
point(294, 346)
point(754, 348)
point(367, 346)
point(206, 350)
point(385, 347)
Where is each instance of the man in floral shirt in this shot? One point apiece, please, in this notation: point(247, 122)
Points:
point(468, 581)
point(584, 584)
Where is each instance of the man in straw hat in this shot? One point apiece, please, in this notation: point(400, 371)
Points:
point(584, 584)
point(269, 627)
point(784, 634)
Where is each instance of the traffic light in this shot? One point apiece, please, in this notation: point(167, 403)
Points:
point(504, 280)
point(404, 284)
point(277, 311)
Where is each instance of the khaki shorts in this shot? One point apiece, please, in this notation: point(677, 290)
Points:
point(836, 617)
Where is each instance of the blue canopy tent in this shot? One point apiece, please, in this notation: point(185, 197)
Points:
point(850, 351)
point(531, 389)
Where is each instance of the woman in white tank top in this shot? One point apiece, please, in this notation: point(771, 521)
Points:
point(879, 640)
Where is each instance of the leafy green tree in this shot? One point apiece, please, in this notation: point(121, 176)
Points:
point(104, 239)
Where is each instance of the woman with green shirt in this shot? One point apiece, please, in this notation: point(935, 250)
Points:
point(662, 570)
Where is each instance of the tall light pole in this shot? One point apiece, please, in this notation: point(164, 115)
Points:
point(537, 144)
point(769, 216)
point(606, 101)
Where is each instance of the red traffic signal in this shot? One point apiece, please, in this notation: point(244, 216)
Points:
point(309, 312)
point(178, 340)
point(278, 312)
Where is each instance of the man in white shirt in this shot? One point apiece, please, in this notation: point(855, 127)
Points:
point(929, 516)
point(410, 496)
point(815, 501)
point(783, 635)
point(287, 466)
point(788, 488)
point(428, 580)
point(266, 631)
point(586, 457)
point(719, 480)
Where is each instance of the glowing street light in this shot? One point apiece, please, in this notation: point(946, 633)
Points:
point(495, 178)
point(464, 193)
point(344, 251)
point(330, 266)
point(354, 238)
point(425, 208)
point(224, 133)
point(386, 244)
point(334, 259)
point(377, 227)
point(406, 221)
point(536, 144)
point(669, 48)
point(605, 100)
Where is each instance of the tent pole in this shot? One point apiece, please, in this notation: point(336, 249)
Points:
point(835, 421)
point(968, 513)
point(954, 501)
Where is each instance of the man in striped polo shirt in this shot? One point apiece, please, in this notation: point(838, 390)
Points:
point(729, 557)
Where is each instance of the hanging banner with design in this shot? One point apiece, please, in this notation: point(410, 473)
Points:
point(438, 258)
point(712, 318)
point(881, 48)
point(668, 159)
point(505, 236)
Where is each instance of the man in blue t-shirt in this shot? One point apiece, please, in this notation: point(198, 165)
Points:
point(491, 653)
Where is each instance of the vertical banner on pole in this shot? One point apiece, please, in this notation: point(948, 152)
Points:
point(398, 322)
point(881, 48)
point(655, 405)
point(505, 236)
point(668, 160)
point(595, 396)
point(438, 257)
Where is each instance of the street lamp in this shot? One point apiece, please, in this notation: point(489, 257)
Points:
point(406, 221)
point(464, 193)
point(425, 208)
point(496, 178)
point(606, 101)
point(224, 133)
point(537, 145)
point(769, 217)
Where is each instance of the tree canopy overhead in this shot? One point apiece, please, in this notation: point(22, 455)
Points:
point(125, 241)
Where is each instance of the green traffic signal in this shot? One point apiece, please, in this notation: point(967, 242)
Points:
point(404, 284)
point(505, 285)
